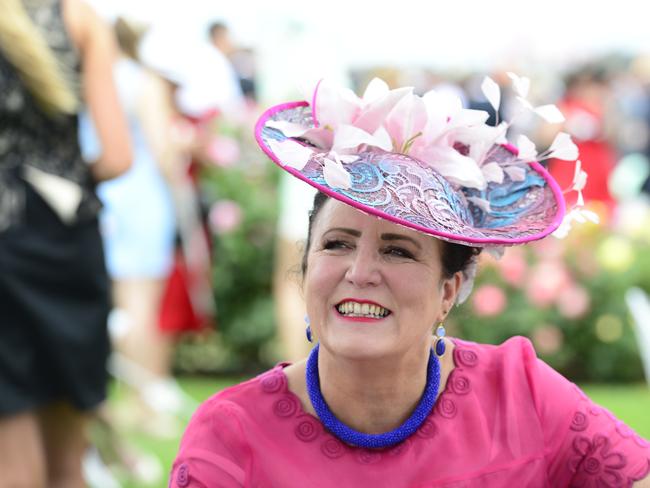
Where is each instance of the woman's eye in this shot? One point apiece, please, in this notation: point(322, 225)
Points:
point(335, 244)
point(399, 252)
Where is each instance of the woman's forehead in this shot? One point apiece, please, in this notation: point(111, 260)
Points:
point(335, 214)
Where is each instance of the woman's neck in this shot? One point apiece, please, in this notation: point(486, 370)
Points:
point(370, 396)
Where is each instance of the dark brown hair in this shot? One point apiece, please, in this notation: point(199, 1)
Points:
point(454, 257)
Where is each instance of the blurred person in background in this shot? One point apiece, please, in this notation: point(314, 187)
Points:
point(54, 290)
point(138, 227)
point(641, 69)
point(585, 107)
point(205, 90)
point(228, 85)
point(244, 64)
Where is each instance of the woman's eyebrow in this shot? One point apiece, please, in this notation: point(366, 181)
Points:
point(384, 237)
point(400, 237)
point(352, 232)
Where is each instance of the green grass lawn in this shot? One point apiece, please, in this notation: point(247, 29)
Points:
point(630, 403)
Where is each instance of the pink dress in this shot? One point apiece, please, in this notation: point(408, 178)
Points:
point(504, 419)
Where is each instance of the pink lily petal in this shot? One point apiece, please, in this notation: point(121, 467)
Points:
point(577, 169)
point(335, 174)
point(335, 105)
point(579, 178)
point(347, 158)
point(492, 172)
point(480, 203)
point(318, 136)
point(515, 173)
point(457, 168)
point(406, 120)
point(289, 129)
point(445, 104)
point(520, 84)
point(527, 149)
point(563, 229)
point(579, 215)
point(563, 148)
point(322, 138)
point(376, 89)
point(383, 139)
point(291, 153)
point(480, 139)
point(445, 112)
point(550, 113)
point(492, 92)
point(501, 131)
point(525, 104)
point(591, 216)
point(440, 108)
point(372, 116)
point(469, 117)
point(351, 137)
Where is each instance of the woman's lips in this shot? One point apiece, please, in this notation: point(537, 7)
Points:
point(358, 319)
point(361, 310)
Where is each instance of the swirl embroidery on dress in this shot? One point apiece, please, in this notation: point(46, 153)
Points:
point(458, 384)
point(594, 464)
point(465, 357)
point(428, 429)
point(272, 382)
point(580, 422)
point(368, 456)
point(286, 406)
point(308, 429)
point(401, 448)
point(333, 448)
point(446, 407)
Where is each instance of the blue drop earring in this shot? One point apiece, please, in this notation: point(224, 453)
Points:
point(310, 338)
point(439, 346)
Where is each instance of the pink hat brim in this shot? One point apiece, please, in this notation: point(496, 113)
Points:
point(527, 228)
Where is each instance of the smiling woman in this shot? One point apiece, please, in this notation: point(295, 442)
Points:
point(392, 246)
point(355, 260)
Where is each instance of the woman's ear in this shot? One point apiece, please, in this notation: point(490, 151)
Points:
point(450, 289)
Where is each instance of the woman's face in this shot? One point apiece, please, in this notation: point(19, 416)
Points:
point(373, 288)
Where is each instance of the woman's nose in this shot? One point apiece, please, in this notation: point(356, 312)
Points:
point(364, 268)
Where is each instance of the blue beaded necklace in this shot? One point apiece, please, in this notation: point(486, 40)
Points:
point(356, 438)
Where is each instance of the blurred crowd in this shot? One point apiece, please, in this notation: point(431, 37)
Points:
point(606, 103)
point(157, 227)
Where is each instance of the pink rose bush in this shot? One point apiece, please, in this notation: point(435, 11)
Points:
point(225, 216)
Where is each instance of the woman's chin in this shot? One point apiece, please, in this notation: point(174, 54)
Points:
point(352, 346)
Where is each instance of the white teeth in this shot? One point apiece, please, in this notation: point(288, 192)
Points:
point(354, 309)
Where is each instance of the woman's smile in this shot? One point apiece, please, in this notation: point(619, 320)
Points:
point(360, 310)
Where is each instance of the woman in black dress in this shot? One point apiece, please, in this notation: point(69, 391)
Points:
point(53, 287)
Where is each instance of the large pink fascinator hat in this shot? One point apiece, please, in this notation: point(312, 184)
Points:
point(424, 162)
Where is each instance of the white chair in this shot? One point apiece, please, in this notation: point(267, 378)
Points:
point(639, 304)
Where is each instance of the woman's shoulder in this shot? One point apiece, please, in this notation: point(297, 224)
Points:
point(215, 448)
point(239, 398)
point(513, 353)
point(512, 366)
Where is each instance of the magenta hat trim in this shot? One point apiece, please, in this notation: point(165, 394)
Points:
point(479, 241)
